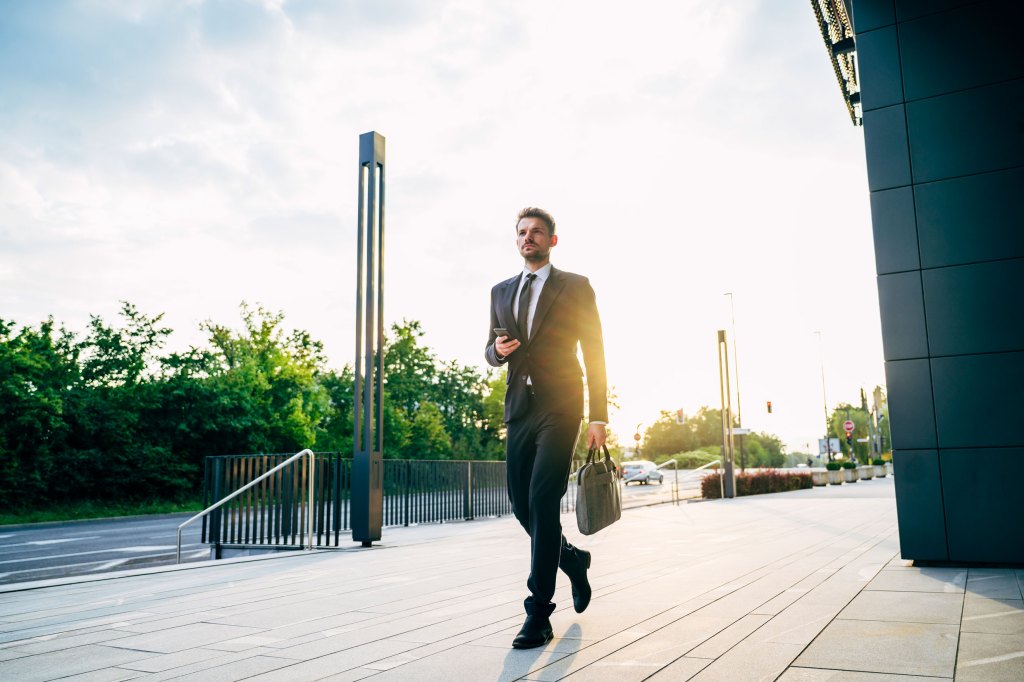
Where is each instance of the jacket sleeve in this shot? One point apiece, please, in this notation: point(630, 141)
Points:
point(592, 343)
point(489, 353)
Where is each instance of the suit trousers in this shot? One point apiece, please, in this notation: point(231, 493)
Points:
point(539, 452)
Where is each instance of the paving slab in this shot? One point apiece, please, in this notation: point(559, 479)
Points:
point(990, 658)
point(767, 587)
point(901, 648)
point(993, 616)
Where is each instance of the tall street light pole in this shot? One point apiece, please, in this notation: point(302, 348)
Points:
point(824, 398)
point(735, 360)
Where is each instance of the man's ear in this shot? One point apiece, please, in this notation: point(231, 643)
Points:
point(554, 239)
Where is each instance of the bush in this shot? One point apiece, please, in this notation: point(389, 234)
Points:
point(833, 466)
point(757, 483)
point(849, 464)
point(878, 461)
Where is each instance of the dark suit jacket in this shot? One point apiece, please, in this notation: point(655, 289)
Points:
point(566, 316)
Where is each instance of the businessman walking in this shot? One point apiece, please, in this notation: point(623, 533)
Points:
point(538, 318)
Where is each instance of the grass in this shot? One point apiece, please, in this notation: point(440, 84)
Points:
point(76, 511)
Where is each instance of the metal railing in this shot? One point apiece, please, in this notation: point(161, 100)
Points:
point(308, 506)
point(675, 483)
point(268, 513)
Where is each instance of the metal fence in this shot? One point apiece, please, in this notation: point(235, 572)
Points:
point(274, 512)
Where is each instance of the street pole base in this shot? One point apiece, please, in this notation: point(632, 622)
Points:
point(367, 543)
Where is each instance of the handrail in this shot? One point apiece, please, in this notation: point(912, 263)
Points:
point(675, 486)
point(309, 513)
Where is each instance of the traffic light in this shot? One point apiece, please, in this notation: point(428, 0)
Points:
point(769, 407)
point(680, 417)
point(849, 439)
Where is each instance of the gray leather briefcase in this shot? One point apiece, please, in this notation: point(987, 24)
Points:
point(598, 500)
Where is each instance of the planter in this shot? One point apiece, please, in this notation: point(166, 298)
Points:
point(888, 467)
point(835, 477)
point(867, 472)
point(850, 475)
point(819, 477)
point(880, 471)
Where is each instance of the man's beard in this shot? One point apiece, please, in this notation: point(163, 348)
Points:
point(537, 254)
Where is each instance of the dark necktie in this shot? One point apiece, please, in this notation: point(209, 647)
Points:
point(523, 317)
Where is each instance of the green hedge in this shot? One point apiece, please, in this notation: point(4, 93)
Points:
point(756, 483)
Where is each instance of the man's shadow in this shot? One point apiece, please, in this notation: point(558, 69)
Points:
point(519, 662)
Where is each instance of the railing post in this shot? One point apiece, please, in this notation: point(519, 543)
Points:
point(467, 493)
point(309, 500)
point(215, 518)
point(408, 483)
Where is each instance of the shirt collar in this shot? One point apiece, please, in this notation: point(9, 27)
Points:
point(542, 274)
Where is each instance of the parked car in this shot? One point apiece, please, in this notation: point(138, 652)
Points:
point(641, 472)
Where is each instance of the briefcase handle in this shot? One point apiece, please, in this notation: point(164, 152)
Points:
point(594, 451)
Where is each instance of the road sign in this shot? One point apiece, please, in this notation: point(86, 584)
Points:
point(848, 426)
point(636, 437)
point(862, 440)
point(831, 445)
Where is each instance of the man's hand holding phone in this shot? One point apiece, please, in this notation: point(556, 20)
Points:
point(504, 345)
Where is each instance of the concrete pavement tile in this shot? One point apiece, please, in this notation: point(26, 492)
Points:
point(241, 669)
point(993, 583)
point(750, 661)
point(201, 662)
point(795, 674)
point(472, 663)
point(41, 645)
point(153, 624)
point(990, 658)
point(179, 659)
point(729, 637)
point(911, 607)
point(10, 655)
point(920, 580)
point(350, 675)
point(661, 647)
point(352, 638)
point(108, 675)
point(77, 661)
point(593, 653)
point(681, 669)
point(183, 637)
point(994, 616)
point(789, 596)
point(897, 562)
point(884, 647)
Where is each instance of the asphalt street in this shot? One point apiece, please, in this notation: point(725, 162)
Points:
point(44, 551)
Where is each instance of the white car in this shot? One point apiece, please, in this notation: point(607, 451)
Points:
point(641, 472)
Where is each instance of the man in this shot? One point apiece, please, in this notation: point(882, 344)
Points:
point(538, 318)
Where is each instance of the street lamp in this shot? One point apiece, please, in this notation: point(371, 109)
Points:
point(735, 360)
point(824, 398)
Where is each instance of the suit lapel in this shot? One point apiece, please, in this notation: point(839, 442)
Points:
point(552, 288)
point(508, 317)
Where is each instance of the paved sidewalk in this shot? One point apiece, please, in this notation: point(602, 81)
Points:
point(796, 586)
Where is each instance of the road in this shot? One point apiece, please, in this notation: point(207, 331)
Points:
point(43, 551)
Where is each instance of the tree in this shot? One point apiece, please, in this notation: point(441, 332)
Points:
point(859, 417)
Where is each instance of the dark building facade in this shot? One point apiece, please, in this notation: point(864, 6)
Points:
point(942, 100)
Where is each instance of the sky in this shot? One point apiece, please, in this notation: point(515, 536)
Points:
point(189, 156)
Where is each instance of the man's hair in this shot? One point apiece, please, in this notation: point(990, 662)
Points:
point(533, 212)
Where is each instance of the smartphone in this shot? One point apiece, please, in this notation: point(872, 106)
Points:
point(500, 331)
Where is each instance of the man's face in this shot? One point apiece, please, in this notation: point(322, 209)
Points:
point(533, 239)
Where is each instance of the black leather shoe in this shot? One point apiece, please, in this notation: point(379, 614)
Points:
point(577, 572)
point(536, 631)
